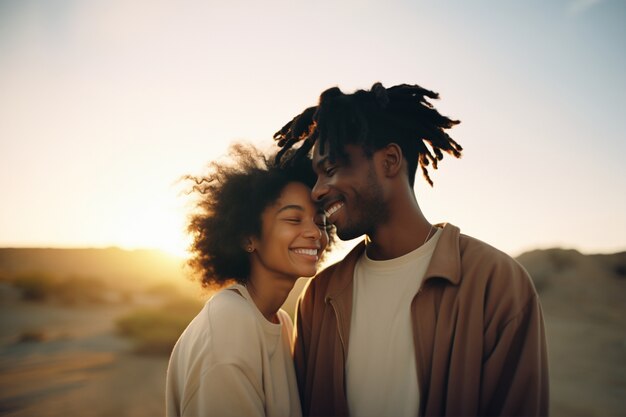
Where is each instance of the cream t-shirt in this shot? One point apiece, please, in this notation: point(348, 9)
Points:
point(231, 361)
point(381, 378)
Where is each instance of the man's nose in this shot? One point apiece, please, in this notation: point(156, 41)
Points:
point(320, 189)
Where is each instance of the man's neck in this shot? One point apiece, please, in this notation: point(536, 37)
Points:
point(406, 230)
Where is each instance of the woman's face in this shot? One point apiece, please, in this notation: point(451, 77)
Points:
point(293, 235)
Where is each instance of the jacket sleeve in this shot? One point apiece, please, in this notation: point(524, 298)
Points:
point(515, 373)
point(302, 341)
point(226, 390)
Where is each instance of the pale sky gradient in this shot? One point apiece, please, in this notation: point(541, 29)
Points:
point(105, 104)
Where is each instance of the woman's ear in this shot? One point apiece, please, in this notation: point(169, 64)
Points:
point(248, 244)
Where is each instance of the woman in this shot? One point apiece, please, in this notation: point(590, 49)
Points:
point(258, 230)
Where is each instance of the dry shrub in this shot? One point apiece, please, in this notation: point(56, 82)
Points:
point(35, 286)
point(72, 290)
point(32, 336)
point(156, 330)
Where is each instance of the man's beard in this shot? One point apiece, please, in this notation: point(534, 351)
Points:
point(371, 207)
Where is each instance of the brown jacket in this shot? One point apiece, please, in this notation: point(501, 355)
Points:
point(479, 336)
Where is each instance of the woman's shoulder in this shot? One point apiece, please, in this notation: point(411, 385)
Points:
point(226, 315)
point(234, 330)
point(224, 333)
point(229, 308)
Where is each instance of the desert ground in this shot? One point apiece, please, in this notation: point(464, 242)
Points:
point(58, 360)
point(81, 367)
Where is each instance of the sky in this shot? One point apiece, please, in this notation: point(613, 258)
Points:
point(105, 105)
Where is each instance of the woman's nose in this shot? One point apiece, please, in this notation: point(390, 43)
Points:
point(313, 231)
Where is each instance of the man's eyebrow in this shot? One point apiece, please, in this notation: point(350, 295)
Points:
point(290, 207)
point(321, 162)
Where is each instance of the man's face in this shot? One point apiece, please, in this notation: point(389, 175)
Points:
point(350, 192)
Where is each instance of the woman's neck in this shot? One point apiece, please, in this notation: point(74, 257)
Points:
point(269, 294)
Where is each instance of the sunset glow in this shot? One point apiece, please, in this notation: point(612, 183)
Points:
point(105, 105)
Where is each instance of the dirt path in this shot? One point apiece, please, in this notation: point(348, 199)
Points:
point(88, 384)
point(81, 368)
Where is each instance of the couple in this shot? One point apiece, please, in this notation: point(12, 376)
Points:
point(418, 319)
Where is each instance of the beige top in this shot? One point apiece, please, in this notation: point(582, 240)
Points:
point(231, 361)
point(381, 377)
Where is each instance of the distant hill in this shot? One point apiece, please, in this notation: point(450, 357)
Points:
point(584, 304)
point(551, 269)
point(569, 276)
point(132, 268)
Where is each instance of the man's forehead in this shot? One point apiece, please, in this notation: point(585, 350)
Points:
point(319, 158)
point(344, 155)
point(317, 154)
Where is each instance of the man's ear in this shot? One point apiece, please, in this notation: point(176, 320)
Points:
point(392, 160)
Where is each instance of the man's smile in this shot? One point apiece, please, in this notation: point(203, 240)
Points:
point(334, 208)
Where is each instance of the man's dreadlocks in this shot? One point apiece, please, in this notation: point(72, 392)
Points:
point(400, 114)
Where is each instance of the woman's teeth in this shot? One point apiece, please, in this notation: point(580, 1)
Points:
point(302, 251)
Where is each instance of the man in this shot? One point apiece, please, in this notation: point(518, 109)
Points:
point(418, 319)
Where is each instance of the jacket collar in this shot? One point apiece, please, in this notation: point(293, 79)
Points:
point(343, 273)
point(445, 262)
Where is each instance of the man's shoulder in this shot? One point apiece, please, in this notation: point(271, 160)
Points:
point(339, 273)
point(323, 277)
point(473, 249)
point(320, 282)
point(483, 262)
